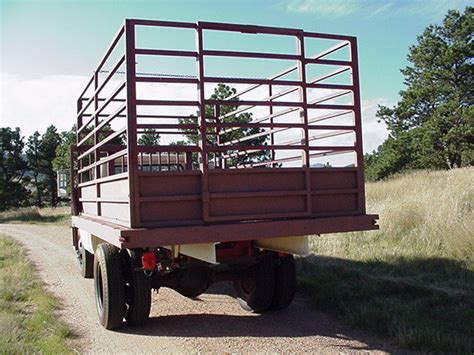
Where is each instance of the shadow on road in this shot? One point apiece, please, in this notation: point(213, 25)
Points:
point(298, 321)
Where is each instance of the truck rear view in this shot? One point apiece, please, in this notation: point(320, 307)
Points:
point(210, 152)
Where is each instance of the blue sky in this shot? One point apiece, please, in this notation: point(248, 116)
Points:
point(48, 48)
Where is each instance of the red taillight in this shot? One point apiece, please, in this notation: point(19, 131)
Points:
point(149, 260)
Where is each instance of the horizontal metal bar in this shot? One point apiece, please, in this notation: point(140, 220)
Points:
point(166, 116)
point(260, 216)
point(169, 198)
point(147, 79)
point(164, 126)
point(103, 200)
point(211, 79)
point(253, 103)
point(328, 36)
point(212, 148)
point(334, 191)
point(167, 148)
point(103, 160)
point(219, 53)
point(164, 52)
point(256, 194)
point(255, 125)
point(327, 62)
point(105, 179)
point(102, 99)
point(329, 86)
point(102, 124)
point(329, 127)
point(159, 23)
point(331, 107)
point(166, 103)
point(253, 29)
point(102, 142)
point(109, 148)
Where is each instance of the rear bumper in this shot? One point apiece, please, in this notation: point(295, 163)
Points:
point(154, 237)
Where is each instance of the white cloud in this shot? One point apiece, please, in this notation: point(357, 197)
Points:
point(325, 8)
point(342, 8)
point(34, 104)
point(373, 132)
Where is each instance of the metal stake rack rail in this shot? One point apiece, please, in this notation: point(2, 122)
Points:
point(204, 197)
point(252, 172)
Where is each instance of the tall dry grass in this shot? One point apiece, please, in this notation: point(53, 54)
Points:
point(60, 215)
point(422, 214)
point(413, 280)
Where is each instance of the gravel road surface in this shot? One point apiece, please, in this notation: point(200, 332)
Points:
point(212, 323)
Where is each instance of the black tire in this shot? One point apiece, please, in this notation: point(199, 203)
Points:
point(109, 286)
point(137, 290)
point(255, 293)
point(285, 282)
point(86, 262)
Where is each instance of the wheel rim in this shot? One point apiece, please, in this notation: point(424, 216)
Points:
point(100, 289)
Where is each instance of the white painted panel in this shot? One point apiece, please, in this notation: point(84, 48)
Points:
point(117, 190)
point(88, 192)
point(90, 208)
point(117, 211)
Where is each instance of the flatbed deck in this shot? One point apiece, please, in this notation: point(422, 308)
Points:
point(124, 237)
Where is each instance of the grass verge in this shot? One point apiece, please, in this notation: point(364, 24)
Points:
point(59, 215)
point(28, 320)
point(413, 280)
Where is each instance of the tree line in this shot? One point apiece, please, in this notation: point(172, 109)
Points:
point(432, 126)
point(28, 166)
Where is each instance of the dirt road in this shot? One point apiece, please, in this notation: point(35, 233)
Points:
point(212, 323)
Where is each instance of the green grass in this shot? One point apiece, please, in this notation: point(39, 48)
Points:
point(412, 281)
point(28, 314)
point(59, 215)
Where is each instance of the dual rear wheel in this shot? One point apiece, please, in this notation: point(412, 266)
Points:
point(271, 285)
point(120, 291)
point(123, 292)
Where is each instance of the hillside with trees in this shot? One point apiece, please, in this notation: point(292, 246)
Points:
point(432, 126)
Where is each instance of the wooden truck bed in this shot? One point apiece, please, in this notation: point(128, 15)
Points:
point(281, 155)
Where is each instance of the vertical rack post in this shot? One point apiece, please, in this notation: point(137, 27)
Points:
point(305, 158)
point(203, 163)
point(132, 162)
point(358, 126)
point(272, 137)
point(96, 141)
point(217, 113)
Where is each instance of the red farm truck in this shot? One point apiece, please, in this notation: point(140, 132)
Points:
point(210, 152)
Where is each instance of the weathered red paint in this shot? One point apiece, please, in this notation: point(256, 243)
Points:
point(123, 188)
